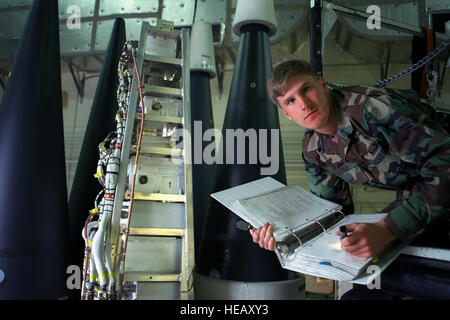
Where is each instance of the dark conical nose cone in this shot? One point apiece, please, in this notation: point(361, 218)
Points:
point(226, 251)
point(202, 173)
point(33, 197)
point(101, 121)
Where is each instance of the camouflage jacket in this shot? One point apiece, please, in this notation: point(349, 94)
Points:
point(381, 142)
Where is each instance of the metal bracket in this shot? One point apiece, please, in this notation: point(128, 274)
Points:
point(433, 79)
point(4, 75)
point(384, 69)
point(220, 73)
point(79, 83)
point(315, 32)
point(2, 83)
point(441, 80)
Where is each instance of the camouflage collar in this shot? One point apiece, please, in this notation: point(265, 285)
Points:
point(313, 143)
point(344, 126)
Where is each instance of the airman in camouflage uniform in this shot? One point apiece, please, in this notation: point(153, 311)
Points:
point(379, 145)
point(382, 138)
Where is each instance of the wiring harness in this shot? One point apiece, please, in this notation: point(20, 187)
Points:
point(98, 273)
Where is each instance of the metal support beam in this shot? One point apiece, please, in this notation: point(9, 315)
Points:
point(441, 80)
point(79, 83)
point(220, 71)
point(315, 34)
point(384, 69)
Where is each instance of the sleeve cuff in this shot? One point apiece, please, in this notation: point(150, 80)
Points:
point(402, 232)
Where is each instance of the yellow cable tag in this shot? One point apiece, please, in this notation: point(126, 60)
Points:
point(98, 175)
point(92, 211)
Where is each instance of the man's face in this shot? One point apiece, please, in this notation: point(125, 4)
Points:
point(308, 102)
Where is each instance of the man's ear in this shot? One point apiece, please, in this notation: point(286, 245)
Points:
point(323, 83)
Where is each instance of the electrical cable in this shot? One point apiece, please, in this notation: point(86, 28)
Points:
point(97, 234)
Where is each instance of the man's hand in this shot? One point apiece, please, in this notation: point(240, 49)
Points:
point(263, 236)
point(366, 239)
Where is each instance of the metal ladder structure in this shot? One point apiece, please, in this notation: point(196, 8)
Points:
point(159, 258)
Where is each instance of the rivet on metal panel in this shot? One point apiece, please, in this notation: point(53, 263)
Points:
point(143, 179)
point(156, 106)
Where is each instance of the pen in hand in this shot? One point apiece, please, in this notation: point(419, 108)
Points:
point(343, 230)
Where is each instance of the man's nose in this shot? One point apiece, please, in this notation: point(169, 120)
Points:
point(305, 103)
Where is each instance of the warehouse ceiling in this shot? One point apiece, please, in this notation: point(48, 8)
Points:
point(85, 47)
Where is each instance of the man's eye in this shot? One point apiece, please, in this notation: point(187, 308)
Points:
point(290, 101)
point(306, 89)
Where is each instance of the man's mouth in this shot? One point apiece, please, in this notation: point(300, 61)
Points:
point(309, 114)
